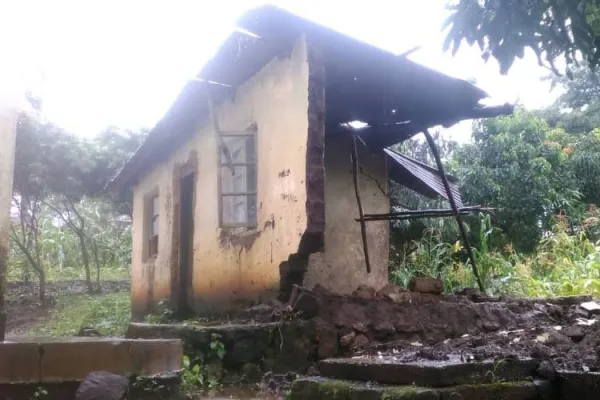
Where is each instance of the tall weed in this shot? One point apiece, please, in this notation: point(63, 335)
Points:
point(566, 262)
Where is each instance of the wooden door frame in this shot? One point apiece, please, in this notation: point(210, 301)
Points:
point(180, 171)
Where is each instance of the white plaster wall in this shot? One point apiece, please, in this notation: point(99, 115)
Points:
point(342, 268)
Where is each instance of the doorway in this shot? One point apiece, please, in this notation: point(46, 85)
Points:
point(186, 242)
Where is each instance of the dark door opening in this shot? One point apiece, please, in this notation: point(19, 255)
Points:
point(186, 242)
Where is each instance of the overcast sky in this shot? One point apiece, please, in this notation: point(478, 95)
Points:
point(123, 62)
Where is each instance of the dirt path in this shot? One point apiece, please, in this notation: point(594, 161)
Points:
point(23, 307)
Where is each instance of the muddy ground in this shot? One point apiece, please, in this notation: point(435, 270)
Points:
point(23, 307)
point(562, 332)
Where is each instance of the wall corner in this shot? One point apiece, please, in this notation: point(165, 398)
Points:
point(313, 239)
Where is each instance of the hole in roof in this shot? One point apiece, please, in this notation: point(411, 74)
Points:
point(356, 124)
point(210, 82)
point(246, 32)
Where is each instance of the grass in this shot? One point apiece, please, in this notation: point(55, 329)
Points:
point(65, 274)
point(107, 313)
point(564, 264)
point(106, 274)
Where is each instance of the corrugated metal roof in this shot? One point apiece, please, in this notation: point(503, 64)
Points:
point(418, 93)
point(420, 177)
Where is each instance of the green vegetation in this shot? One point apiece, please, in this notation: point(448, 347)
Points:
point(562, 264)
point(65, 224)
point(203, 369)
point(109, 314)
point(554, 30)
point(540, 171)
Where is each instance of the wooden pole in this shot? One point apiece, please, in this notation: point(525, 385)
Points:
point(363, 227)
point(432, 211)
point(421, 214)
point(455, 209)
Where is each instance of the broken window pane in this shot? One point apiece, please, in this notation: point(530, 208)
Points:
point(242, 181)
point(151, 226)
point(234, 210)
point(154, 231)
point(155, 206)
point(239, 210)
point(251, 207)
point(241, 149)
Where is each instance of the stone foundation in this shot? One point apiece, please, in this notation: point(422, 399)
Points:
point(250, 349)
point(316, 325)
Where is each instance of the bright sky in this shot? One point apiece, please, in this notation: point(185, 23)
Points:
point(123, 62)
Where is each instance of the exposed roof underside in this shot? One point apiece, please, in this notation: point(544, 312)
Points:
point(397, 97)
point(420, 177)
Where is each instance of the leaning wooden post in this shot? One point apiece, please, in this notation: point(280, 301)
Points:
point(7, 157)
point(455, 209)
point(363, 227)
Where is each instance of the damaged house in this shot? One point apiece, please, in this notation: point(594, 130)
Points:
point(246, 185)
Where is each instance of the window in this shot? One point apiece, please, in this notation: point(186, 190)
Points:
point(152, 207)
point(238, 180)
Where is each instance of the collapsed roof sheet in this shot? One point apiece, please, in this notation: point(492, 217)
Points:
point(420, 177)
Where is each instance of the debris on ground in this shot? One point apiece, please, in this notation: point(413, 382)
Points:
point(102, 385)
point(553, 331)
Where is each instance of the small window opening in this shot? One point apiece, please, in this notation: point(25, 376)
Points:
point(152, 214)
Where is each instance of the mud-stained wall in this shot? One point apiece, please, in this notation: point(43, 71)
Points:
point(234, 265)
point(341, 268)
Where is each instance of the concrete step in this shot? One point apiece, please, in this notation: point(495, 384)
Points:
point(329, 389)
point(47, 360)
point(427, 374)
point(59, 365)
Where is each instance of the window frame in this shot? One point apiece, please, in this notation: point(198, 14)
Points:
point(248, 133)
point(151, 238)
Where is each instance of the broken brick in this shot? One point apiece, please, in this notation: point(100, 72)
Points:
point(347, 339)
point(426, 285)
point(327, 338)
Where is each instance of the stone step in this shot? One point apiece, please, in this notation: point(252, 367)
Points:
point(427, 374)
point(579, 385)
point(319, 388)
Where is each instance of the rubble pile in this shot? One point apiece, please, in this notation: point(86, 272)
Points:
point(568, 340)
point(369, 317)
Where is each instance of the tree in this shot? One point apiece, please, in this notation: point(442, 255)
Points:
point(29, 193)
point(62, 178)
point(577, 111)
point(581, 90)
point(114, 147)
point(585, 163)
point(503, 29)
point(520, 165)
